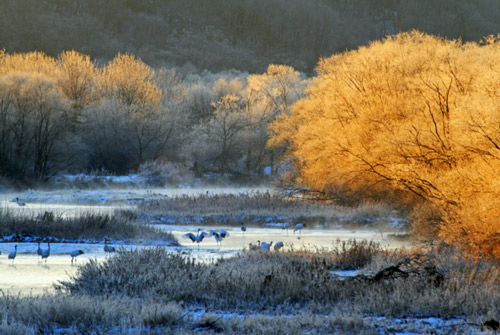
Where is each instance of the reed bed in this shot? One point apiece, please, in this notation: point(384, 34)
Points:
point(81, 228)
point(261, 208)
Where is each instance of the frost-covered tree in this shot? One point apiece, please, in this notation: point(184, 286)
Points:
point(412, 115)
point(34, 125)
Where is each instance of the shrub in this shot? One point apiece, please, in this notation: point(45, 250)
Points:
point(412, 115)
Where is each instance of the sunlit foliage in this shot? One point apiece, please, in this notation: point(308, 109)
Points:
point(414, 113)
point(130, 80)
point(76, 78)
point(27, 62)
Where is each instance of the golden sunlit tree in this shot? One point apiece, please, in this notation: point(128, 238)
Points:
point(270, 95)
point(412, 114)
point(76, 78)
point(30, 62)
point(130, 80)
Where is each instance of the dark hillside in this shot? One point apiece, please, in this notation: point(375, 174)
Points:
point(223, 34)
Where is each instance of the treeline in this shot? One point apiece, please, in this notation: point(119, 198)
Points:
point(67, 114)
point(413, 118)
point(223, 34)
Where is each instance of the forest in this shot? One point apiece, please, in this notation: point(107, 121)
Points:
point(218, 35)
point(67, 114)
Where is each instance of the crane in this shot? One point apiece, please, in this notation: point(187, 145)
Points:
point(299, 227)
point(218, 235)
point(19, 202)
point(196, 238)
point(74, 254)
point(108, 248)
point(13, 254)
point(252, 246)
point(39, 251)
point(278, 246)
point(265, 246)
point(286, 225)
point(46, 253)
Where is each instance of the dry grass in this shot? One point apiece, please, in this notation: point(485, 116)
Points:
point(287, 282)
point(71, 315)
point(153, 292)
point(50, 314)
point(261, 208)
point(84, 227)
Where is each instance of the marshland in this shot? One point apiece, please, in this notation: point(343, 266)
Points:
point(352, 269)
point(249, 167)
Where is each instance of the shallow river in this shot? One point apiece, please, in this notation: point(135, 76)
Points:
point(28, 274)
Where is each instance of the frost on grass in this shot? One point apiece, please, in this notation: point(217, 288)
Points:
point(87, 227)
point(152, 291)
point(264, 209)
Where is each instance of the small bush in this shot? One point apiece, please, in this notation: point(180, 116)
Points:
point(161, 174)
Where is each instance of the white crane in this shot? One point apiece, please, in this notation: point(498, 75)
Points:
point(278, 246)
point(74, 254)
point(108, 248)
point(252, 246)
point(286, 225)
point(39, 250)
point(19, 202)
point(298, 227)
point(265, 246)
point(196, 238)
point(13, 254)
point(46, 253)
point(218, 235)
point(223, 233)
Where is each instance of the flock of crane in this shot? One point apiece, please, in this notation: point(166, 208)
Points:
point(222, 234)
point(44, 254)
point(218, 235)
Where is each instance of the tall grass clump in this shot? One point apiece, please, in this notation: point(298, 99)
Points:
point(86, 226)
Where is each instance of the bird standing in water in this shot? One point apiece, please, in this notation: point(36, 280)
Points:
point(74, 254)
point(196, 238)
point(108, 248)
point(39, 250)
point(19, 202)
point(46, 253)
point(13, 254)
point(278, 246)
point(299, 227)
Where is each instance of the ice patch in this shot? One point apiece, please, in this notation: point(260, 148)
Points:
point(344, 274)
